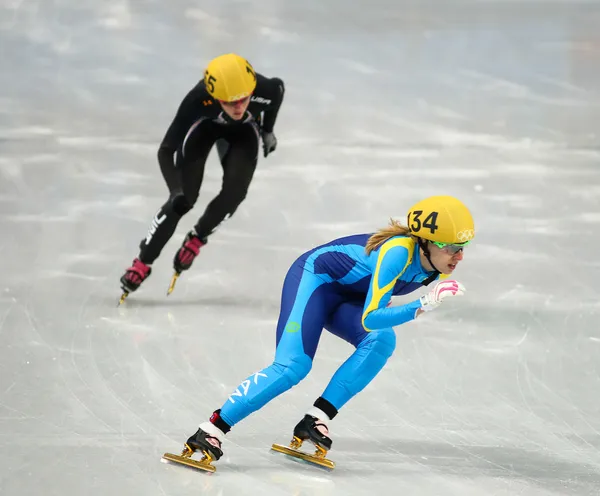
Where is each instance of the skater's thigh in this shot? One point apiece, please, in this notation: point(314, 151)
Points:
point(198, 141)
point(192, 174)
point(239, 155)
point(306, 302)
point(222, 148)
point(192, 159)
point(346, 322)
point(245, 137)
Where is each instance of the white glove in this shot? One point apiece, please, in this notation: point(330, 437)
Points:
point(443, 289)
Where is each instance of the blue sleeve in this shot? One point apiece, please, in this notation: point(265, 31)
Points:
point(392, 261)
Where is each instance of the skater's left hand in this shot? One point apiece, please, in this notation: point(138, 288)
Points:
point(442, 290)
point(269, 142)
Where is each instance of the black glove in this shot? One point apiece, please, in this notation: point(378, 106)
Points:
point(269, 142)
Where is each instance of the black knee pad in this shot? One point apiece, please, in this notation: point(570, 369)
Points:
point(178, 204)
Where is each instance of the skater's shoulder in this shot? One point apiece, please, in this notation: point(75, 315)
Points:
point(396, 252)
point(199, 101)
point(268, 89)
point(406, 244)
point(272, 82)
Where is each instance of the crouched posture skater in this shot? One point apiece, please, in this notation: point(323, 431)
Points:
point(232, 107)
point(345, 286)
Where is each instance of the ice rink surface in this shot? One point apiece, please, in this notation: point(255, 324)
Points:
point(388, 101)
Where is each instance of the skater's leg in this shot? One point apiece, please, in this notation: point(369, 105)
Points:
point(161, 229)
point(306, 302)
point(180, 202)
point(184, 189)
point(373, 349)
point(239, 156)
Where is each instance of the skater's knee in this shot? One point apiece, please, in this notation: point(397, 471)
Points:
point(294, 368)
point(382, 342)
point(179, 204)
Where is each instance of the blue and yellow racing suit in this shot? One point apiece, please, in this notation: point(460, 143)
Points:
point(337, 287)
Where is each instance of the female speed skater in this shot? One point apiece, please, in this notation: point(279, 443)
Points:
point(345, 286)
point(232, 108)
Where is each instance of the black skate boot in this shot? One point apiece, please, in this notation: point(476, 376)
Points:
point(209, 446)
point(314, 430)
point(134, 276)
point(185, 256)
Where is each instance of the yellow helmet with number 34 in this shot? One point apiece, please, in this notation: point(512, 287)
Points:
point(441, 219)
point(229, 78)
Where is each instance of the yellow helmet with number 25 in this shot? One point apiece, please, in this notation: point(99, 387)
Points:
point(441, 219)
point(229, 78)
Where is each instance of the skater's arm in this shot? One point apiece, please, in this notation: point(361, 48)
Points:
point(392, 316)
point(275, 93)
point(392, 261)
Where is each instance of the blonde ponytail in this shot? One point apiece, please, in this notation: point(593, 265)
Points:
point(385, 233)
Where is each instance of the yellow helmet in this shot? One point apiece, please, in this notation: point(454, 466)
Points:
point(441, 219)
point(229, 78)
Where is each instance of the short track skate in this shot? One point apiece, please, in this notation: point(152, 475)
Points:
point(205, 463)
point(293, 450)
point(133, 278)
point(185, 256)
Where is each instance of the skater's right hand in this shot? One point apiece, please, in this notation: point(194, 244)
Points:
point(442, 290)
point(179, 202)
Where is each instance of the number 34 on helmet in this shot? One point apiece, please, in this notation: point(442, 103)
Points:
point(229, 78)
point(441, 219)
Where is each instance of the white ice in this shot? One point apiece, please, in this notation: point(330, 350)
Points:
point(496, 102)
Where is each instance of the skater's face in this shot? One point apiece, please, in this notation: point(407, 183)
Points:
point(447, 258)
point(237, 109)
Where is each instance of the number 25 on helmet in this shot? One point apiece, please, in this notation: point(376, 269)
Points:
point(229, 78)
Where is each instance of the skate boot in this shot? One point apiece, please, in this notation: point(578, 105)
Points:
point(134, 276)
point(209, 446)
point(314, 430)
point(185, 256)
point(203, 441)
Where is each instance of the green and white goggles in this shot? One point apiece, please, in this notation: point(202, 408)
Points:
point(451, 248)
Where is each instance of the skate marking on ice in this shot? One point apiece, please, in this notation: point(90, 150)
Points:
point(186, 459)
point(293, 450)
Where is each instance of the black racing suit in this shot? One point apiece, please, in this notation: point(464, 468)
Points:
point(200, 122)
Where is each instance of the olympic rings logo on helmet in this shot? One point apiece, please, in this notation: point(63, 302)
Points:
point(239, 96)
point(465, 235)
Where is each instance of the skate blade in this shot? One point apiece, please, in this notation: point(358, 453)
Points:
point(173, 281)
point(311, 458)
point(123, 296)
point(190, 462)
